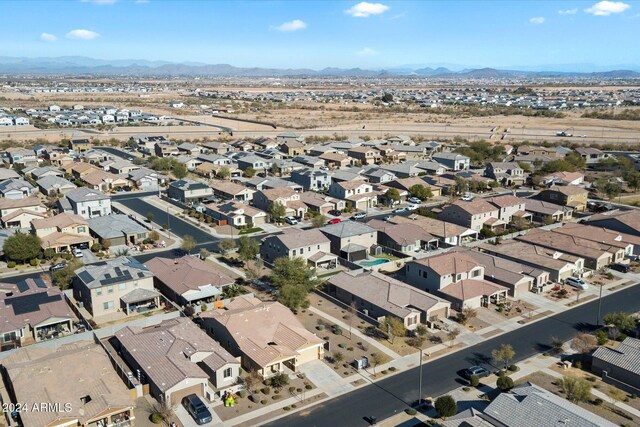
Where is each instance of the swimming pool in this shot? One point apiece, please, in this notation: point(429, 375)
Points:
point(374, 262)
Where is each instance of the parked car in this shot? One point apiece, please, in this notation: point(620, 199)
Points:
point(358, 215)
point(414, 200)
point(478, 371)
point(576, 283)
point(77, 253)
point(56, 267)
point(84, 245)
point(290, 220)
point(467, 197)
point(412, 207)
point(197, 409)
point(335, 212)
point(388, 217)
point(334, 221)
point(399, 210)
point(623, 268)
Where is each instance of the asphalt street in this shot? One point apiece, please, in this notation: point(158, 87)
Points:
point(393, 395)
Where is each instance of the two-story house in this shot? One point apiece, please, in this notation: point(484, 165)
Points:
point(312, 179)
point(365, 155)
point(566, 195)
point(457, 277)
point(120, 285)
point(359, 194)
point(86, 202)
point(350, 240)
point(505, 173)
point(18, 213)
point(286, 196)
point(510, 207)
point(62, 232)
point(312, 245)
point(189, 191)
point(475, 214)
point(453, 161)
point(16, 188)
point(165, 149)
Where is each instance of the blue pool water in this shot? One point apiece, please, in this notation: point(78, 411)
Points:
point(374, 262)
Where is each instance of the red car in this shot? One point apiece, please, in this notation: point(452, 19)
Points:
point(334, 221)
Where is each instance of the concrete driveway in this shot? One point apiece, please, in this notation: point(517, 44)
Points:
point(187, 420)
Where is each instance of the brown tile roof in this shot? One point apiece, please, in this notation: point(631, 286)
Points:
point(432, 226)
point(186, 273)
point(389, 294)
point(273, 194)
point(62, 220)
point(475, 206)
point(169, 353)
point(568, 190)
point(229, 187)
point(449, 263)
point(568, 243)
point(66, 374)
point(264, 331)
point(301, 238)
point(471, 288)
point(402, 234)
point(506, 200)
point(20, 203)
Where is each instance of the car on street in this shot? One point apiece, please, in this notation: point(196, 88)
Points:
point(576, 283)
point(412, 207)
point(623, 268)
point(77, 253)
point(56, 267)
point(197, 409)
point(290, 220)
point(334, 221)
point(414, 200)
point(478, 371)
point(466, 198)
point(400, 210)
point(335, 212)
point(388, 217)
point(358, 215)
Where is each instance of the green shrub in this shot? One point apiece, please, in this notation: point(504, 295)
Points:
point(577, 364)
point(410, 411)
point(276, 397)
point(393, 369)
point(11, 264)
point(294, 406)
point(320, 327)
point(292, 389)
point(156, 418)
point(266, 390)
point(505, 383)
point(597, 401)
point(33, 262)
point(287, 408)
point(308, 386)
point(474, 381)
point(299, 390)
point(264, 401)
point(337, 330)
point(96, 247)
point(514, 368)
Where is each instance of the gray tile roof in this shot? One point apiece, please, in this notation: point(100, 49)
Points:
point(112, 226)
point(85, 194)
point(118, 270)
point(347, 229)
point(626, 356)
point(529, 405)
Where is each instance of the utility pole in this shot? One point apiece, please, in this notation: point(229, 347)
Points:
point(420, 386)
point(599, 306)
point(168, 222)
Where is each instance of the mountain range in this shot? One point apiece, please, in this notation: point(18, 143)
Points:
point(78, 65)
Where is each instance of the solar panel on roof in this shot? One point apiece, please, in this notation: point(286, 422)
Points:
point(31, 303)
point(118, 271)
point(22, 286)
point(40, 283)
point(85, 277)
point(107, 275)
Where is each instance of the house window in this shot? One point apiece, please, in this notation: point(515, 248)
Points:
point(227, 373)
point(81, 229)
point(458, 277)
point(107, 305)
point(99, 291)
point(301, 251)
point(122, 286)
point(475, 273)
point(294, 252)
point(110, 289)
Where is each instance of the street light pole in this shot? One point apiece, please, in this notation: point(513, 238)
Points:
point(420, 387)
point(599, 306)
point(168, 223)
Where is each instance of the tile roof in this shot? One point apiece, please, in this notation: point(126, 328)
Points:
point(466, 289)
point(115, 225)
point(84, 194)
point(301, 238)
point(626, 356)
point(347, 229)
point(62, 220)
point(187, 274)
point(117, 270)
point(449, 263)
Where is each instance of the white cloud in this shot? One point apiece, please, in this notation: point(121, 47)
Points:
point(81, 34)
point(568, 11)
point(100, 2)
point(537, 20)
point(364, 9)
point(46, 37)
point(606, 8)
point(367, 51)
point(295, 25)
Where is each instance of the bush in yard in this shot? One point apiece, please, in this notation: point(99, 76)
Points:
point(265, 390)
point(446, 406)
point(514, 368)
point(602, 337)
point(276, 397)
point(505, 383)
point(11, 264)
point(96, 247)
point(299, 390)
point(264, 401)
point(286, 408)
point(577, 364)
point(308, 386)
point(410, 411)
point(320, 327)
point(156, 418)
point(597, 401)
point(474, 381)
point(33, 262)
point(279, 380)
point(393, 369)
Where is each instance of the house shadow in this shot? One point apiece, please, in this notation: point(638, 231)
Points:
point(477, 404)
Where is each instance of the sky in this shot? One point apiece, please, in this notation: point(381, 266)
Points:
point(311, 34)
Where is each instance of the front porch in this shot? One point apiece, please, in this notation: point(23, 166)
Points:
point(323, 260)
point(53, 330)
point(120, 419)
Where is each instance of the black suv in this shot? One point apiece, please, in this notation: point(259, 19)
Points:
point(198, 410)
point(623, 268)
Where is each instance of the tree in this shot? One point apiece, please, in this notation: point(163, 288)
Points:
point(421, 330)
point(612, 190)
point(249, 172)
point(621, 320)
point(277, 211)
point(392, 195)
point(584, 343)
point(421, 192)
point(615, 394)
point(154, 235)
point(275, 170)
point(446, 406)
point(248, 248)
point(387, 97)
point(503, 354)
point(204, 253)
point(22, 247)
point(633, 179)
point(466, 314)
point(525, 167)
point(505, 383)
point(393, 327)
point(338, 357)
point(224, 173)
point(279, 380)
point(318, 221)
point(294, 281)
point(188, 243)
point(452, 335)
point(575, 389)
point(557, 346)
point(179, 170)
point(150, 216)
point(376, 359)
point(251, 380)
point(226, 245)
point(64, 276)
